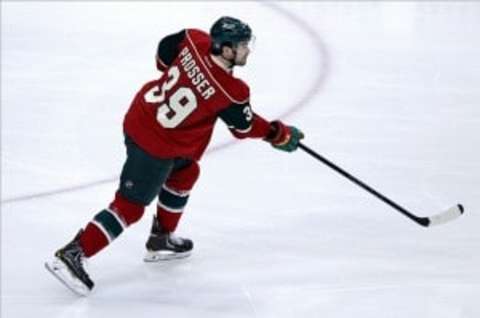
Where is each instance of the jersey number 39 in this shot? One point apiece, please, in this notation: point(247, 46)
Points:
point(179, 105)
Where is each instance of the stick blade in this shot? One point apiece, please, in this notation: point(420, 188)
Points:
point(447, 215)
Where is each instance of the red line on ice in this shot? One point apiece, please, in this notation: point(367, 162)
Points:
point(313, 89)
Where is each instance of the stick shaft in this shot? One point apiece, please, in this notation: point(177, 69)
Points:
point(393, 204)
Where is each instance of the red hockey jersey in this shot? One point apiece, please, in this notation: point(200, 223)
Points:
point(174, 116)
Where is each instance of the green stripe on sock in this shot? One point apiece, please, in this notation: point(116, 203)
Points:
point(172, 200)
point(109, 223)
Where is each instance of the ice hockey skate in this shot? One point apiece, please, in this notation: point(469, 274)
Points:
point(163, 246)
point(68, 267)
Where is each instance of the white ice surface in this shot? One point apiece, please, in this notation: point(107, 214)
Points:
point(389, 91)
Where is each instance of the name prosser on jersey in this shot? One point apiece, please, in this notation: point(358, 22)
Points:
point(189, 65)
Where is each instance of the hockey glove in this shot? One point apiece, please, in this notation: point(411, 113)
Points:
point(284, 137)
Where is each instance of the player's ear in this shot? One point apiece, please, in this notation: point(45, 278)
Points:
point(227, 52)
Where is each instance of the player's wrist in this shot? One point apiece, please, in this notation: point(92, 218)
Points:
point(278, 134)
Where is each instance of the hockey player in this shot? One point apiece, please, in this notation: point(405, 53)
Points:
point(167, 129)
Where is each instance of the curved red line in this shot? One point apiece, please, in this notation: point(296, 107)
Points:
point(314, 89)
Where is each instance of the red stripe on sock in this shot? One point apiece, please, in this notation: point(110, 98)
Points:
point(168, 220)
point(129, 211)
point(92, 240)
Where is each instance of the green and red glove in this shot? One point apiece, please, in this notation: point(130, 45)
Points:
point(284, 137)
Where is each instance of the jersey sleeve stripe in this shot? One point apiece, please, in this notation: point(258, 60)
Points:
point(161, 62)
point(243, 131)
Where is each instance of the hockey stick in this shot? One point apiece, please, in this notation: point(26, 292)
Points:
point(443, 217)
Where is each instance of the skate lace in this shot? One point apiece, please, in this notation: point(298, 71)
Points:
point(80, 259)
point(83, 261)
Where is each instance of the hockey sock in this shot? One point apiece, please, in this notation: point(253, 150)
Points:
point(108, 224)
point(170, 208)
point(174, 196)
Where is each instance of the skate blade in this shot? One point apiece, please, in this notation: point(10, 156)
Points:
point(153, 257)
point(62, 273)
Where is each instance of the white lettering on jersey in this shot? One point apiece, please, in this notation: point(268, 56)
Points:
point(181, 103)
point(197, 78)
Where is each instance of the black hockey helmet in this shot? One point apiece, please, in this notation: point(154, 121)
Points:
point(228, 31)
